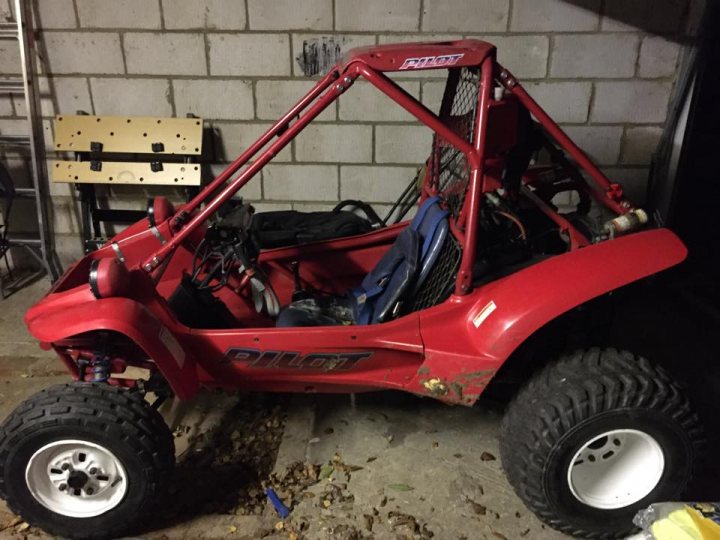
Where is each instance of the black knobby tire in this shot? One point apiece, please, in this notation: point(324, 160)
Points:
point(117, 419)
point(574, 400)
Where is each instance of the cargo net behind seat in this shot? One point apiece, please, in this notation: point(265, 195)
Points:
point(449, 175)
point(448, 168)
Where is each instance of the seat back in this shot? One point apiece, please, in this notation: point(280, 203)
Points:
point(404, 267)
point(387, 283)
point(431, 223)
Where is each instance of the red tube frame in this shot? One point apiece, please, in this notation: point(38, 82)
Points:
point(613, 196)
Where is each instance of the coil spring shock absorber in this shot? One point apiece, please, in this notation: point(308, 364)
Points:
point(99, 369)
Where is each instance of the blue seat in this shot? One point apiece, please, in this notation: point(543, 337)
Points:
point(400, 272)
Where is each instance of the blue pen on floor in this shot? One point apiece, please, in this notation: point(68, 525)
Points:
point(280, 508)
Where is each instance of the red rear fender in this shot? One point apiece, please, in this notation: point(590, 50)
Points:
point(468, 338)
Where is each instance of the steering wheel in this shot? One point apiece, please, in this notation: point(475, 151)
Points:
point(230, 246)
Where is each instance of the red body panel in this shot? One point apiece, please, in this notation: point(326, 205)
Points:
point(466, 356)
point(438, 352)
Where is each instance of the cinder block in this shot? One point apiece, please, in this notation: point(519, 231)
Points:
point(271, 207)
point(338, 143)
point(639, 144)
point(19, 169)
point(55, 14)
point(134, 97)
point(214, 99)
point(658, 57)
point(71, 94)
point(414, 38)
point(252, 191)
point(13, 126)
point(300, 182)
point(556, 15)
point(601, 143)
point(634, 181)
point(204, 14)
point(596, 55)
point(565, 102)
point(290, 14)
point(65, 216)
point(366, 103)
point(657, 16)
point(465, 15)
point(275, 98)
point(5, 11)
point(432, 94)
point(402, 144)
point(374, 184)
point(83, 52)
point(69, 248)
point(377, 15)
point(47, 107)
point(9, 57)
point(120, 14)
point(630, 101)
point(315, 54)
point(6, 105)
point(313, 207)
point(48, 137)
point(525, 56)
point(232, 139)
point(249, 54)
point(165, 54)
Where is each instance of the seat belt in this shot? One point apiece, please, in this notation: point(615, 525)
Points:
point(362, 296)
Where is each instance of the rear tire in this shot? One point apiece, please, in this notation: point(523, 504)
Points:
point(84, 460)
point(597, 436)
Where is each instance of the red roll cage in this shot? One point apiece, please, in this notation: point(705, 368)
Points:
point(371, 63)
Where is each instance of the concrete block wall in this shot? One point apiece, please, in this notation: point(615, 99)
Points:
point(605, 69)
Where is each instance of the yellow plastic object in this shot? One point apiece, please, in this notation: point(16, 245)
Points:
point(685, 523)
point(120, 172)
point(129, 134)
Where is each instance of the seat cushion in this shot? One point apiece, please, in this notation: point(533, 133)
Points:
point(318, 310)
point(386, 284)
point(400, 271)
point(373, 301)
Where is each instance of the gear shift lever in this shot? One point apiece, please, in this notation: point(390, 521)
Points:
point(299, 293)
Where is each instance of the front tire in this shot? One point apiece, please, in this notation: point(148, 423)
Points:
point(84, 460)
point(597, 436)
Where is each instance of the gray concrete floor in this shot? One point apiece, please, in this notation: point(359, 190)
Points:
point(386, 465)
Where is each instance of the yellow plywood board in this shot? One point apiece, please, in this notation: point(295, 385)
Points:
point(129, 134)
point(115, 172)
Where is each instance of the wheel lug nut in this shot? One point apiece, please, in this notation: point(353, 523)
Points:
point(65, 466)
point(89, 491)
point(62, 487)
point(93, 470)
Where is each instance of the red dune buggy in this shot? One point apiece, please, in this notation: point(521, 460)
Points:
point(212, 295)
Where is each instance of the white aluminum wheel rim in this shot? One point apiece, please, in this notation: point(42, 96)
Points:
point(616, 469)
point(76, 478)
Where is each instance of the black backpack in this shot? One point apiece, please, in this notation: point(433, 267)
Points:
point(290, 227)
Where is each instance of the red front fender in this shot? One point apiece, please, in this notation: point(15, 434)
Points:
point(468, 338)
point(127, 317)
